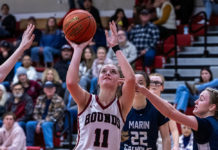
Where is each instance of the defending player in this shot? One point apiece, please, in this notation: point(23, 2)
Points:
point(205, 122)
point(143, 122)
point(25, 44)
point(101, 118)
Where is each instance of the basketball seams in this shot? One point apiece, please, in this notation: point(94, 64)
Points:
point(77, 23)
point(85, 29)
point(79, 30)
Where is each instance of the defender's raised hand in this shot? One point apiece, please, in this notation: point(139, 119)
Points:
point(28, 37)
point(112, 40)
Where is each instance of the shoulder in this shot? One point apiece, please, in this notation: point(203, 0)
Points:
point(41, 97)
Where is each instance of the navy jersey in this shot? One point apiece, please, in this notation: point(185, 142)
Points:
point(140, 132)
point(206, 138)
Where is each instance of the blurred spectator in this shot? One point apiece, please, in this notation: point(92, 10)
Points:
point(128, 49)
point(6, 51)
point(71, 107)
point(99, 39)
point(50, 74)
point(3, 99)
point(85, 68)
point(120, 19)
point(20, 104)
point(11, 135)
point(88, 6)
point(62, 65)
point(7, 22)
point(197, 89)
point(139, 5)
point(183, 10)
point(211, 7)
point(96, 66)
point(185, 97)
point(157, 87)
point(144, 120)
point(145, 37)
point(50, 43)
point(166, 18)
point(36, 32)
point(71, 4)
point(31, 87)
point(186, 139)
point(30, 70)
point(49, 107)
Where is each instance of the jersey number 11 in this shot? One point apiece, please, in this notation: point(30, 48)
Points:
point(98, 136)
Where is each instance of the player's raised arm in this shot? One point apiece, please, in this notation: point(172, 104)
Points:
point(167, 109)
point(80, 96)
point(129, 83)
point(25, 44)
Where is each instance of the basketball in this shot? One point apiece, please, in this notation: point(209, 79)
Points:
point(79, 26)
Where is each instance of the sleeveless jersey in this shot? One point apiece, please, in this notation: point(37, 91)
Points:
point(140, 131)
point(99, 127)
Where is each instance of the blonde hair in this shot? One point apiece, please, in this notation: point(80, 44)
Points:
point(158, 75)
point(55, 73)
point(213, 99)
point(4, 95)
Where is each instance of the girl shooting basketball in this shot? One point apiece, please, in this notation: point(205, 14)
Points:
point(101, 118)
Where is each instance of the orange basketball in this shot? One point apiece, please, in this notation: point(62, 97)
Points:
point(79, 26)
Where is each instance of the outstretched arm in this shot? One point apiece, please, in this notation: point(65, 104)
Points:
point(79, 95)
point(25, 44)
point(128, 90)
point(168, 110)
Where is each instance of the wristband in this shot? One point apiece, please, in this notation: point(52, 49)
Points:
point(116, 48)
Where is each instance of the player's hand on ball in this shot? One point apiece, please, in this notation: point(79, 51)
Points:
point(80, 46)
point(112, 40)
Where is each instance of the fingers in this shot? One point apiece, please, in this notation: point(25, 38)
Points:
point(32, 37)
point(113, 28)
point(106, 34)
point(32, 27)
point(71, 43)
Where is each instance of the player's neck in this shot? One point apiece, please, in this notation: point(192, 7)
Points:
point(105, 97)
point(139, 102)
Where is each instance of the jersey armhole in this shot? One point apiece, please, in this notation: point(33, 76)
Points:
point(118, 103)
point(90, 98)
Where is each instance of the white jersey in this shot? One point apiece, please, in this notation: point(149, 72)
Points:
point(99, 127)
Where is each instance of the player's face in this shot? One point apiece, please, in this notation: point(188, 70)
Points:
point(109, 76)
point(205, 75)
point(8, 122)
point(202, 105)
point(186, 131)
point(140, 80)
point(156, 85)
